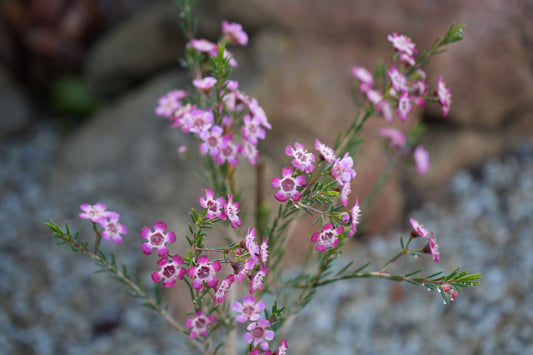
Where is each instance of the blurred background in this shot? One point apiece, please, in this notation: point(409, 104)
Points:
point(79, 81)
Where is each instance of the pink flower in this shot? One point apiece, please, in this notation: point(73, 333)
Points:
point(397, 138)
point(288, 185)
point(234, 34)
point(112, 228)
point(420, 90)
point(170, 271)
point(197, 121)
point(228, 151)
point(231, 210)
point(204, 272)
point(203, 45)
point(418, 230)
point(198, 324)
point(405, 107)
point(249, 310)
point(252, 129)
point(205, 84)
point(326, 152)
point(345, 193)
point(303, 160)
point(366, 80)
point(249, 151)
point(212, 141)
point(328, 237)
point(263, 251)
point(399, 81)
point(94, 213)
point(258, 334)
point(355, 215)
point(407, 59)
point(156, 239)
point(258, 112)
point(223, 288)
point(215, 208)
point(402, 44)
point(282, 350)
point(385, 110)
point(374, 97)
point(342, 170)
point(257, 281)
point(421, 158)
point(445, 96)
point(170, 103)
point(432, 248)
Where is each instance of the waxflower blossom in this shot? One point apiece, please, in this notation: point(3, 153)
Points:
point(328, 238)
point(342, 170)
point(156, 239)
point(204, 272)
point(212, 141)
point(170, 271)
point(419, 91)
point(445, 96)
point(405, 107)
point(303, 160)
point(198, 324)
point(257, 281)
point(93, 212)
point(374, 97)
point(234, 34)
point(326, 152)
point(397, 138)
point(418, 230)
point(432, 248)
point(399, 81)
point(249, 151)
point(421, 158)
point(231, 210)
point(355, 214)
point(205, 84)
point(112, 228)
point(283, 347)
point(203, 45)
point(386, 110)
point(222, 289)
point(366, 80)
point(215, 208)
point(288, 185)
point(345, 193)
point(248, 309)
point(402, 44)
point(258, 334)
point(197, 121)
point(169, 103)
point(252, 129)
point(228, 151)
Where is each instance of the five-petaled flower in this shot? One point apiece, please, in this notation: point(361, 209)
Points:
point(445, 96)
point(223, 288)
point(231, 210)
point(342, 170)
point(326, 152)
point(355, 215)
point(288, 185)
point(257, 281)
point(328, 238)
point(170, 271)
point(93, 212)
point(421, 157)
point(157, 239)
point(204, 272)
point(112, 228)
point(198, 324)
point(303, 160)
point(248, 309)
point(215, 208)
point(258, 334)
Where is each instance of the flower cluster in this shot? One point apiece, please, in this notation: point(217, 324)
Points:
point(338, 170)
point(226, 121)
point(406, 87)
point(109, 220)
point(220, 208)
